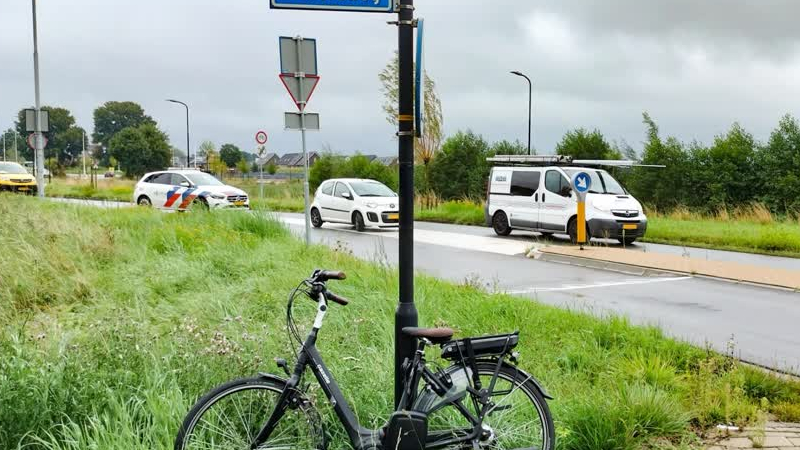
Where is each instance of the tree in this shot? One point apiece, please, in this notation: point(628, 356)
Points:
point(140, 149)
point(505, 147)
point(779, 167)
point(461, 169)
point(428, 145)
point(113, 117)
point(242, 166)
point(215, 163)
point(582, 144)
point(230, 154)
point(272, 169)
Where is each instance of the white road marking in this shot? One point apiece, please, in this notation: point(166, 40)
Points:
point(455, 240)
point(596, 285)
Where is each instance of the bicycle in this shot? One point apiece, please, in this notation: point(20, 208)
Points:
point(483, 400)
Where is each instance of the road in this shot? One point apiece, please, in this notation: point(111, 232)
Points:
point(760, 323)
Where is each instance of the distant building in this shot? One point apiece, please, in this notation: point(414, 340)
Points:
point(389, 161)
point(296, 159)
point(271, 158)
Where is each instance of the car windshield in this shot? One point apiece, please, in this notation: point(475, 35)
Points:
point(371, 189)
point(602, 182)
point(12, 168)
point(203, 179)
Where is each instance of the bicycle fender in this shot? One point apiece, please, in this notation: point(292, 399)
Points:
point(531, 378)
point(271, 377)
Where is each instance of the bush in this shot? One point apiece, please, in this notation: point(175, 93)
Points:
point(460, 169)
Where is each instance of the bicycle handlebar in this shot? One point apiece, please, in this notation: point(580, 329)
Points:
point(336, 298)
point(325, 275)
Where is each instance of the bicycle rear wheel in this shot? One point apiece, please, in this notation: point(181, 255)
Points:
point(230, 416)
point(519, 419)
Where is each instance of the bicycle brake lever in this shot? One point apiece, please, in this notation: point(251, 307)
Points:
point(283, 365)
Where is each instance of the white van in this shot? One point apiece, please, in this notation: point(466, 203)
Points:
point(541, 199)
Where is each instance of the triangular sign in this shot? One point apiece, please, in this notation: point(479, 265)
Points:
point(294, 84)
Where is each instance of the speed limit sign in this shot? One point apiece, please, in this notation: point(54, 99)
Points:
point(261, 138)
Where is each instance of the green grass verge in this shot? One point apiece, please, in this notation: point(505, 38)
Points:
point(113, 322)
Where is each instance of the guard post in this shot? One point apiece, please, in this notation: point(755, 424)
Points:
point(581, 183)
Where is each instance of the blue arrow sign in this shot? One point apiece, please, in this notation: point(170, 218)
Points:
point(583, 182)
point(384, 6)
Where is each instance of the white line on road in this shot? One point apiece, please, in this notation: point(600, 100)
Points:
point(596, 285)
point(455, 240)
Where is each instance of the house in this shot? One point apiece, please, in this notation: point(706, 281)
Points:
point(288, 160)
point(389, 161)
point(271, 158)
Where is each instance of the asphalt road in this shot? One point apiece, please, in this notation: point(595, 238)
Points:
point(759, 323)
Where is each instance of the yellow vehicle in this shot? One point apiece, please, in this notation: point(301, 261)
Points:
point(14, 178)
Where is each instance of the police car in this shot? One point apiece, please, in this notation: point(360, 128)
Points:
point(187, 189)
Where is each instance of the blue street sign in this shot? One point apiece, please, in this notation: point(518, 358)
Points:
point(582, 182)
point(384, 6)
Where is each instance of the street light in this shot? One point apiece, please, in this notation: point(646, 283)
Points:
point(187, 130)
point(530, 104)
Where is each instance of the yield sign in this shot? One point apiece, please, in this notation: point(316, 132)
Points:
point(300, 88)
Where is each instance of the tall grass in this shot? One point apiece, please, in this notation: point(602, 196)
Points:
point(113, 322)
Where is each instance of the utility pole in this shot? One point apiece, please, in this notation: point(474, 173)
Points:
point(406, 314)
point(83, 153)
point(39, 150)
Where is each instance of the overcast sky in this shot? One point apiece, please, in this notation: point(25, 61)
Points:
point(696, 66)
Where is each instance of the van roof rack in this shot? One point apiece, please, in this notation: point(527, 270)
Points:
point(562, 160)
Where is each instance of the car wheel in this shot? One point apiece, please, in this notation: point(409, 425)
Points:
point(358, 221)
point(199, 204)
point(627, 240)
point(500, 224)
point(316, 218)
point(144, 201)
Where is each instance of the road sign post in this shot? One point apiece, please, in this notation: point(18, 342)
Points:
point(581, 183)
point(406, 313)
point(261, 140)
point(299, 76)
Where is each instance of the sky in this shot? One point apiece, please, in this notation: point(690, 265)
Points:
point(695, 66)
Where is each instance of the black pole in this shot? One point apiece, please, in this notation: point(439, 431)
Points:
point(530, 105)
point(406, 314)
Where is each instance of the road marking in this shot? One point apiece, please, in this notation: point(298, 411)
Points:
point(596, 285)
point(463, 241)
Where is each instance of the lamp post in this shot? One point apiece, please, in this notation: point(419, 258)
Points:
point(187, 130)
point(530, 104)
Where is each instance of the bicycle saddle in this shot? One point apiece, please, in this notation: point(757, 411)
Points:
point(435, 335)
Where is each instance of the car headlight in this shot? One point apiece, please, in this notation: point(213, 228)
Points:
point(218, 196)
point(372, 205)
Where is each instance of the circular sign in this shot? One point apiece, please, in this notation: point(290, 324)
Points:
point(261, 137)
point(582, 182)
point(32, 143)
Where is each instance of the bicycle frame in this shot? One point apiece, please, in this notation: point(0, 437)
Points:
point(360, 437)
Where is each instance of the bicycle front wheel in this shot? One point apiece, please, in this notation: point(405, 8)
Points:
point(230, 416)
point(518, 419)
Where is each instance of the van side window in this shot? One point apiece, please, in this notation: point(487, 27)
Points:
point(524, 183)
point(555, 182)
point(327, 188)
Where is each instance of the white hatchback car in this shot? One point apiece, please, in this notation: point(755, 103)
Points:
point(185, 189)
point(363, 203)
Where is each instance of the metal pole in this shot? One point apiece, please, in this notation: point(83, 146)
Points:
point(187, 131)
point(16, 152)
point(302, 104)
point(39, 150)
point(406, 313)
point(4, 146)
point(530, 104)
point(261, 181)
point(83, 145)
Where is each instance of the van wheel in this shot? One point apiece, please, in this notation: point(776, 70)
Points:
point(358, 221)
point(500, 224)
point(572, 230)
point(627, 240)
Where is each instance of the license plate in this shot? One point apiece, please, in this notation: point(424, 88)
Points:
point(393, 216)
point(239, 203)
point(629, 226)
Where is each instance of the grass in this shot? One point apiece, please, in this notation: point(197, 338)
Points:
point(112, 323)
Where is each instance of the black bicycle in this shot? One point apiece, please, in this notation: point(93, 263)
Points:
point(483, 400)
